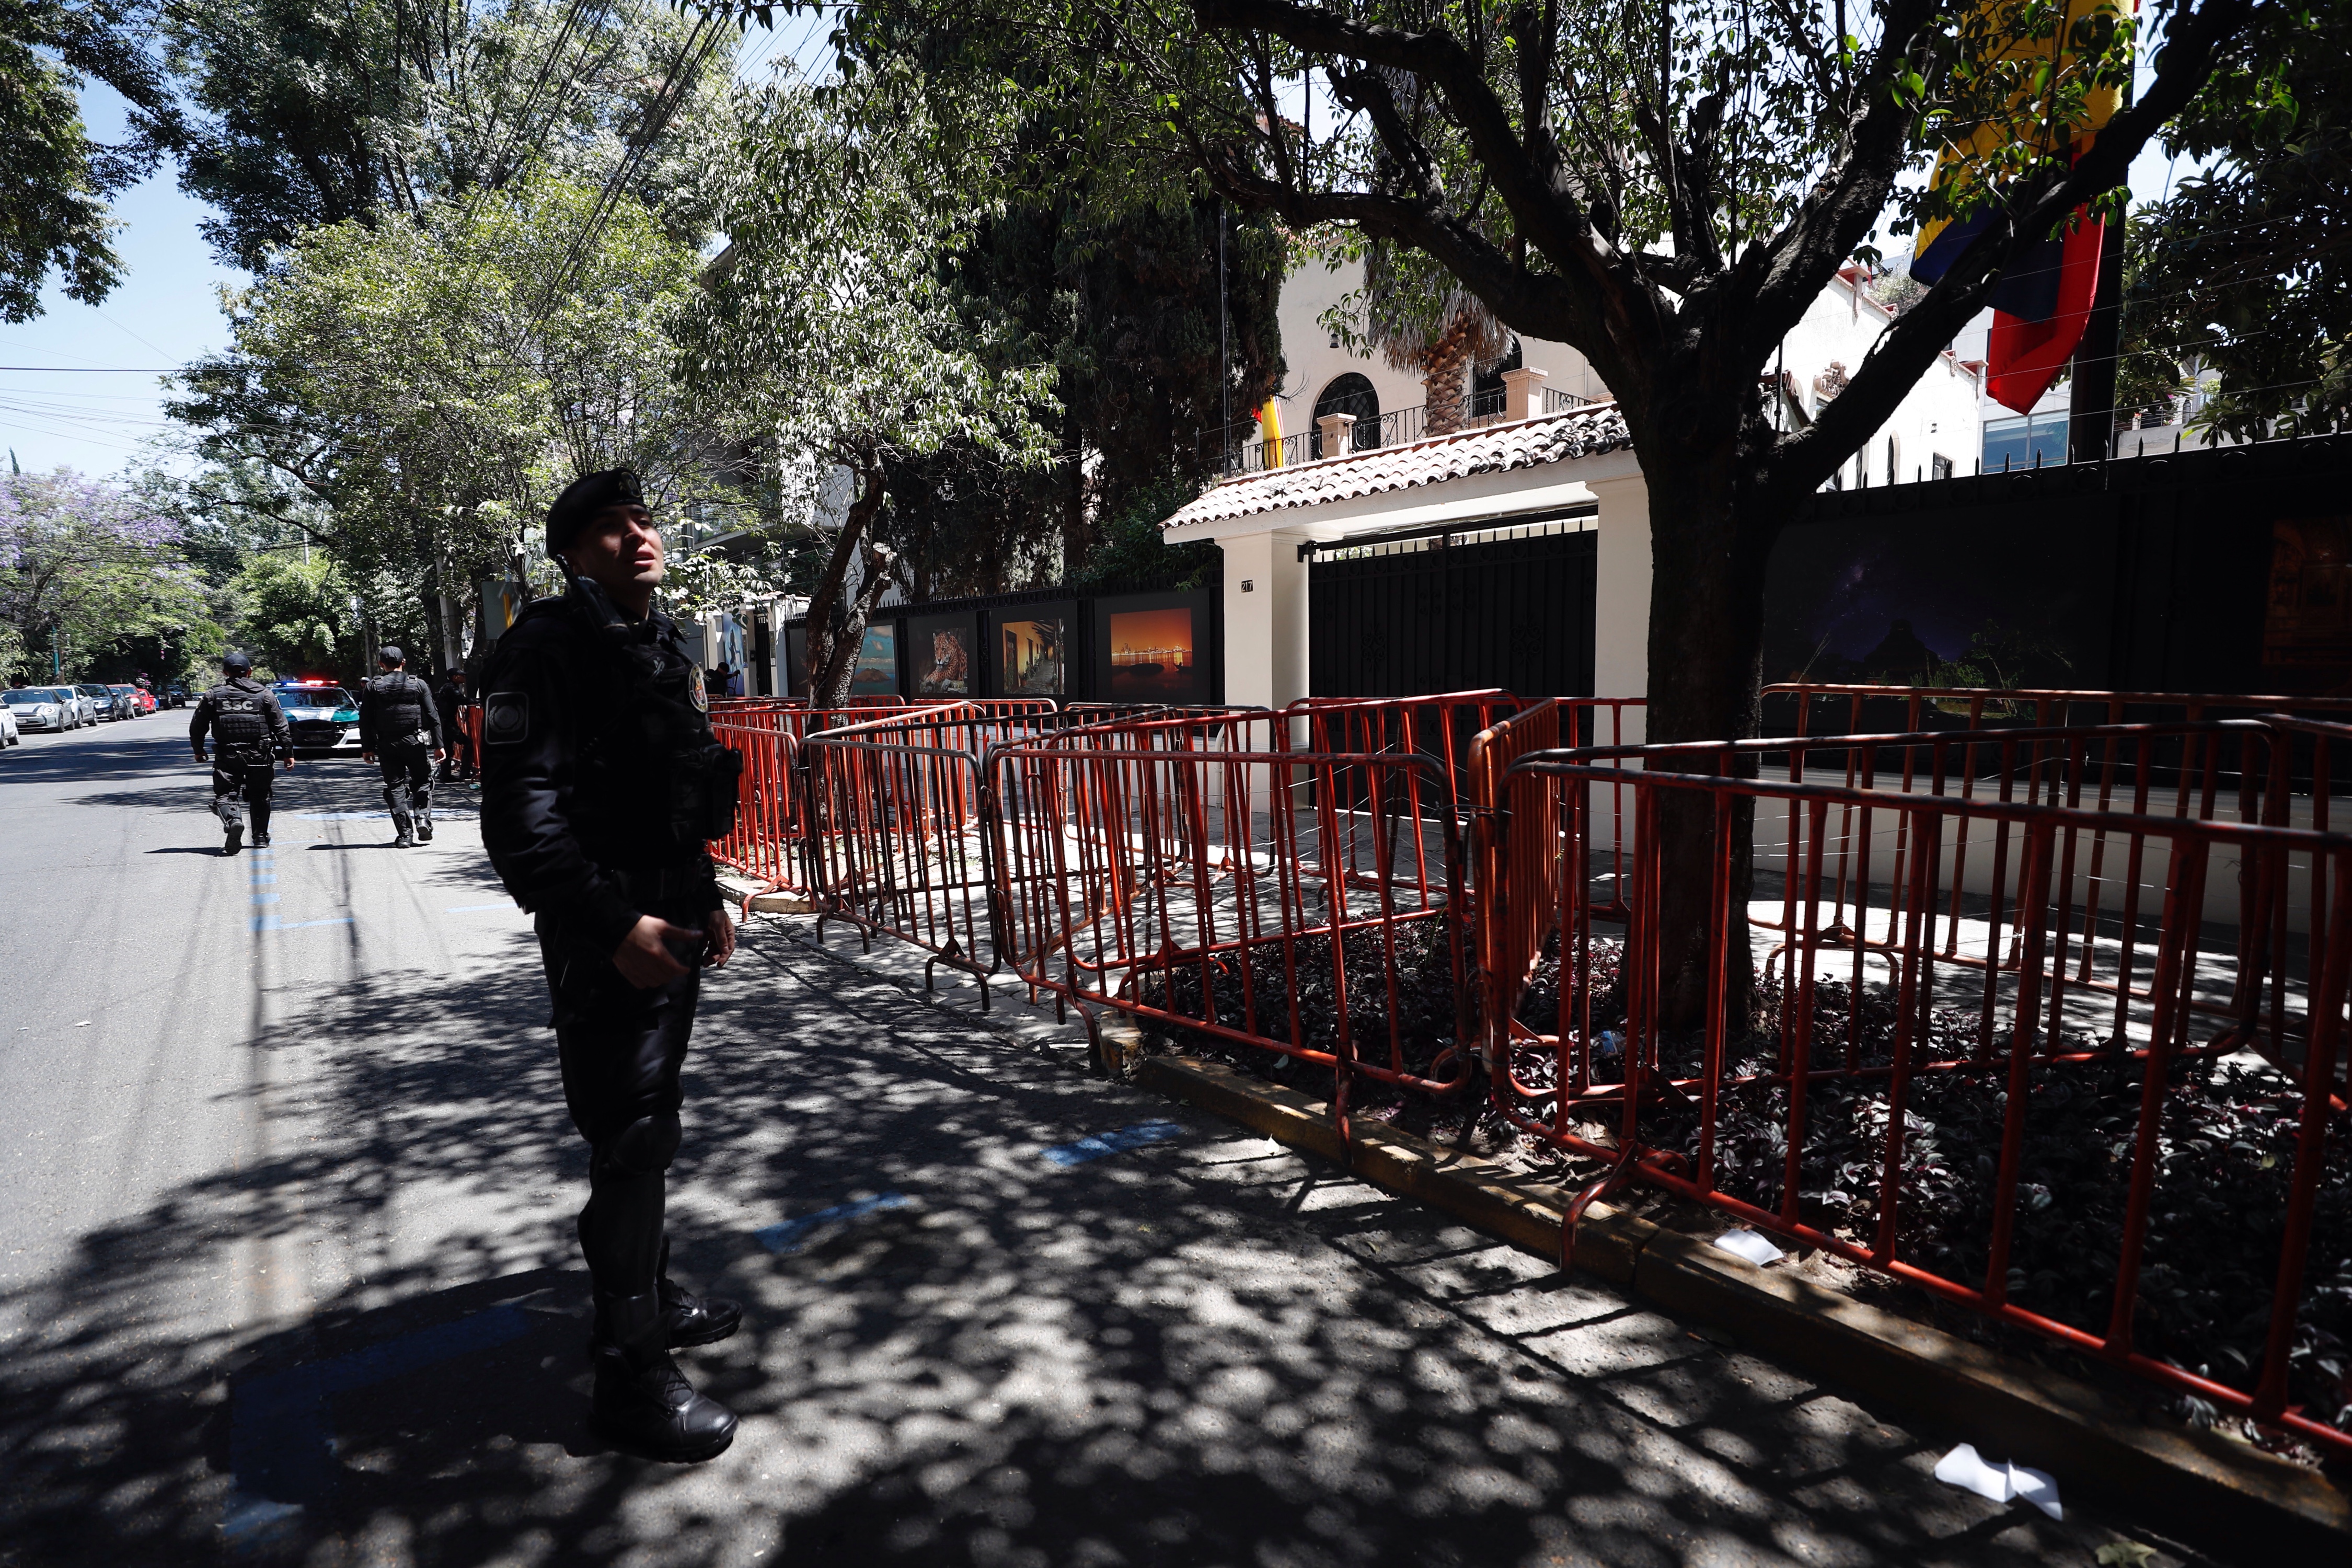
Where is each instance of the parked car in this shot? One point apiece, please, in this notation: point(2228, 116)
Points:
point(144, 698)
point(125, 700)
point(319, 712)
point(177, 697)
point(103, 707)
point(42, 708)
point(9, 734)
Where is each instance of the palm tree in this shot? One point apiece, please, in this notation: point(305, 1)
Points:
point(1440, 331)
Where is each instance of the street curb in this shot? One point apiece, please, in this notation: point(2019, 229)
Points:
point(2197, 1486)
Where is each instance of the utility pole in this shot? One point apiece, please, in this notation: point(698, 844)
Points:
point(1225, 352)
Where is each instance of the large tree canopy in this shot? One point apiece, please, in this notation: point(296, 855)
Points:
point(433, 383)
point(832, 323)
point(1665, 186)
point(308, 113)
point(54, 218)
point(85, 565)
point(2247, 267)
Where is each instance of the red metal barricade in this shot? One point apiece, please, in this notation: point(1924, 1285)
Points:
point(892, 835)
point(1304, 903)
point(2101, 1049)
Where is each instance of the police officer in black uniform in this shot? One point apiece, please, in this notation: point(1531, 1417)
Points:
point(400, 730)
point(249, 735)
point(602, 783)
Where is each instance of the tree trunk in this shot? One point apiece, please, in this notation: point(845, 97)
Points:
point(841, 667)
point(1444, 395)
point(1709, 541)
point(825, 639)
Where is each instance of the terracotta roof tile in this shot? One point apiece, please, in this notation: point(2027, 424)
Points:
point(1487, 449)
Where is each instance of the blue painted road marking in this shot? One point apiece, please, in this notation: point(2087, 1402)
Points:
point(264, 898)
point(265, 876)
point(1101, 1143)
point(788, 1237)
point(281, 1444)
point(271, 923)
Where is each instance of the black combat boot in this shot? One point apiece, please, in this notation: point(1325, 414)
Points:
point(642, 1403)
point(691, 1320)
point(424, 825)
point(231, 826)
point(405, 837)
point(261, 827)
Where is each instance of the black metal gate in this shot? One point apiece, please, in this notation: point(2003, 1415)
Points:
point(1454, 613)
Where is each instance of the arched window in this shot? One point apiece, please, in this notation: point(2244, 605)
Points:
point(1348, 394)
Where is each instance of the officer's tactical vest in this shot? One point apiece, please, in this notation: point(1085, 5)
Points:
point(400, 700)
point(240, 729)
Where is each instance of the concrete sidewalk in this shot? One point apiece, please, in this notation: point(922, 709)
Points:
point(1000, 1313)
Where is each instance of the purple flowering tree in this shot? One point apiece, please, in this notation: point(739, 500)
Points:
point(83, 564)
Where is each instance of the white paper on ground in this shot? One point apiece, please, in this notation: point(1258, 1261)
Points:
point(2036, 1487)
point(1964, 1468)
point(1747, 1244)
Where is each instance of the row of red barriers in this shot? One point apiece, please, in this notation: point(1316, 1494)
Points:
point(1943, 960)
point(1462, 897)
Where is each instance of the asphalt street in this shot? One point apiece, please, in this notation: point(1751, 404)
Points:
point(287, 1271)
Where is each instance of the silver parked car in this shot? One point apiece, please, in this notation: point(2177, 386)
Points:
point(42, 708)
point(9, 734)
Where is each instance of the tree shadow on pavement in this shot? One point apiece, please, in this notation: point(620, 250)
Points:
point(1015, 1360)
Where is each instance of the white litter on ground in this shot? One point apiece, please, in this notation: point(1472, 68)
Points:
point(1747, 1245)
point(1963, 1468)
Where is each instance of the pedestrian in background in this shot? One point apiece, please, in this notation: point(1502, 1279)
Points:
point(249, 734)
point(457, 746)
point(400, 730)
point(602, 785)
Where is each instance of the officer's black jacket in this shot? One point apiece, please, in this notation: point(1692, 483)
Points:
point(392, 708)
point(243, 716)
point(565, 837)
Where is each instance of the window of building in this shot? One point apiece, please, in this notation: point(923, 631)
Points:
point(1939, 466)
point(2024, 443)
point(1348, 394)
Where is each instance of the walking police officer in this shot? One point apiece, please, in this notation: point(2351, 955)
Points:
point(400, 730)
point(601, 783)
point(249, 734)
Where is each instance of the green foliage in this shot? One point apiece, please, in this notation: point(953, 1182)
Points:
point(297, 617)
point(830, 321)
point(831, 326)
point(309, 114)
point(2247, 268)
point(1124, 307)
point(1134, 554)
point(57, 179)
point(424, 387)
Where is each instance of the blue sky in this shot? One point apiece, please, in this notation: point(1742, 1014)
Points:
point(95, 402)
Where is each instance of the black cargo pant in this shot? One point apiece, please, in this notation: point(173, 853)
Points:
point(622, 1049)
point(234, 778)
point(408, 768)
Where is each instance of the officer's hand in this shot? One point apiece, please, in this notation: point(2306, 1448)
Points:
point(721, 929)
point(440, 754)
point(643, 959)
point(367, 756)
point(202, 758)
point(289, 764)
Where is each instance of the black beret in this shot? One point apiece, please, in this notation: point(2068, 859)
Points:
point(586, 496)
